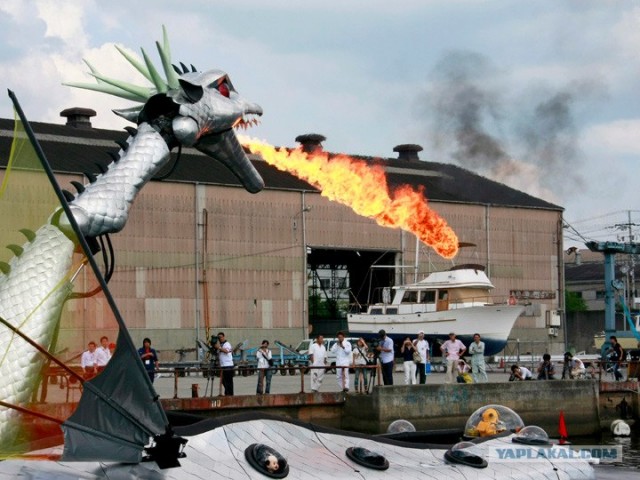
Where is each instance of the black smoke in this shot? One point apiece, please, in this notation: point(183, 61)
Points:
point(522, 135)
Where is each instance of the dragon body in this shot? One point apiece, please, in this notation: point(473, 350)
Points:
point(189, 108)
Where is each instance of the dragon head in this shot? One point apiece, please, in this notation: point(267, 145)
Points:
point(189, 108)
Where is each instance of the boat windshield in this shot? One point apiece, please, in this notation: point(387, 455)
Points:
point(410, 296)
point(428, 296)
point(419, 296)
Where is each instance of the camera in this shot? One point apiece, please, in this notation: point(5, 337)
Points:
point(375, 343)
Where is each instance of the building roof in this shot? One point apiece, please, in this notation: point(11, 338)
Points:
point(74, 150)
point(591, 272)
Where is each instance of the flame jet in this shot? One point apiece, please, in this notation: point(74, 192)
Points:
point(363, 188)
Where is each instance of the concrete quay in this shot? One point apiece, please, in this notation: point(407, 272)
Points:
point(588, 405)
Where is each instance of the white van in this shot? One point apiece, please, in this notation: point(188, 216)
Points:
point(303, 347)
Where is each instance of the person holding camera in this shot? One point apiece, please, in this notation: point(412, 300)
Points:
point(546, 369)
point(407, 350)
point(519, 373)
point(342, 349)
point(265, 362)
point(385, 351)
point(225, 357)
point(360, 361)
point(422, 346)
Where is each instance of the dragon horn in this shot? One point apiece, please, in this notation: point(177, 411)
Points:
point(157, 80)
point(93, 69)
point(172, 79)
point(143, 92)
point(165, 57)
point(165, 42)
point(137, 64)
point(108, 89)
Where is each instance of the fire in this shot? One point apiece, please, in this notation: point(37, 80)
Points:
point(363, 187)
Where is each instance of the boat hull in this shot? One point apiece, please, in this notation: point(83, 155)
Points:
point(492, 322)
point(626, 339)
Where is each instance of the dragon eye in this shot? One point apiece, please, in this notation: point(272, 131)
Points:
point(224, 90)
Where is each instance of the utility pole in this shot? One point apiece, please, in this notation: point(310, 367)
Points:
point(631, 266)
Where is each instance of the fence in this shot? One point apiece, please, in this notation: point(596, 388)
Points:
point(214, 376)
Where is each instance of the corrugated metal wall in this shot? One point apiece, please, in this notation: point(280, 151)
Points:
point(254, 257)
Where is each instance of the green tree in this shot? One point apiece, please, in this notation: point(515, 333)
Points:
point(574, 302)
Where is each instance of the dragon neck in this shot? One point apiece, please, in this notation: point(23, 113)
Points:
point(103, 205)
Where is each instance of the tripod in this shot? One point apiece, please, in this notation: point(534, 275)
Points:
point(209, 370)
point(374, 372)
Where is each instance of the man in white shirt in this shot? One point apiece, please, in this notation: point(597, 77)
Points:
point(520, 373)
point(575, 365)
point(342, 349)
point(318, 358)
point(225, 357)
point(423, 349)
point(452, 350)
point(103, 354)
point(88, 361)
point(385, 347)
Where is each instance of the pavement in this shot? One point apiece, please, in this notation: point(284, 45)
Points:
point(246, 385)
point(164, 385)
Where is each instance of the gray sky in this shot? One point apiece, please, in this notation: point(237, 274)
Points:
point(542, 96)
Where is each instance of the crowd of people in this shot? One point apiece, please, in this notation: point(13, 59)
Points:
point(363, 358)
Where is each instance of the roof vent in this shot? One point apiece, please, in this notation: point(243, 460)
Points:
point(78, 117)
point(311, 142)
point(408, 152)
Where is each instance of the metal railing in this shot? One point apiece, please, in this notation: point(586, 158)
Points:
point(214, 375)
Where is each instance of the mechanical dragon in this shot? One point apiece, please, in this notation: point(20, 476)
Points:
point(185, 108)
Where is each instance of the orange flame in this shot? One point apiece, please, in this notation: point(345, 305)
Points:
point(364, 188)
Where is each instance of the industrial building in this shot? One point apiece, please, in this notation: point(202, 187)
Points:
point(199, 251)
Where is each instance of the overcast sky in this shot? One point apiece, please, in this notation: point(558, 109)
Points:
point(542, 95)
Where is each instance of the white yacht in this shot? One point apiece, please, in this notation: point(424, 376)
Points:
point(456, 300)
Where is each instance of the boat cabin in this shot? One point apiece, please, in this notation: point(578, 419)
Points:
point(461, 287)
